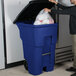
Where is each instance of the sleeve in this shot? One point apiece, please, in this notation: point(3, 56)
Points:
point(65, 11)
point(62, 6)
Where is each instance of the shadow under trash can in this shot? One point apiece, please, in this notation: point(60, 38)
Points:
point(39, 41)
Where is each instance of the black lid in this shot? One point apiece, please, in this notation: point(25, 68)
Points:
point(32, 9)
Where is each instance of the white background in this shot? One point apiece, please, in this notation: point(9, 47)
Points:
point(2, 64)
point(13, 41)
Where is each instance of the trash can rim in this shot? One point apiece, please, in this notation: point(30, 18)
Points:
point(36, 26)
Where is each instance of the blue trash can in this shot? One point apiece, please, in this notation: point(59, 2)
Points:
point(39, 42)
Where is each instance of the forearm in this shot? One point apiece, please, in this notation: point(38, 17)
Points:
point(58, 4)
point(61, 12)
point(61, 6)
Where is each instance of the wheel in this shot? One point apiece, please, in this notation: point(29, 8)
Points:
point(44, 68)
point(25, 65)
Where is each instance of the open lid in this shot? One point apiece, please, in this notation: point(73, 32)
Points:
point(32, 10)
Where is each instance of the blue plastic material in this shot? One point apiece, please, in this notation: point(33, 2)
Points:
point(39, 43)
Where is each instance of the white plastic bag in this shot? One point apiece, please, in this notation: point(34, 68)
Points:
point(43, 18)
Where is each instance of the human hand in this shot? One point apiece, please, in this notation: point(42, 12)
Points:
point(47, 10)
point(53, 1)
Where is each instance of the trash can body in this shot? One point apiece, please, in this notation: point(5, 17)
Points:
point(38, 40)
point(39, 43)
